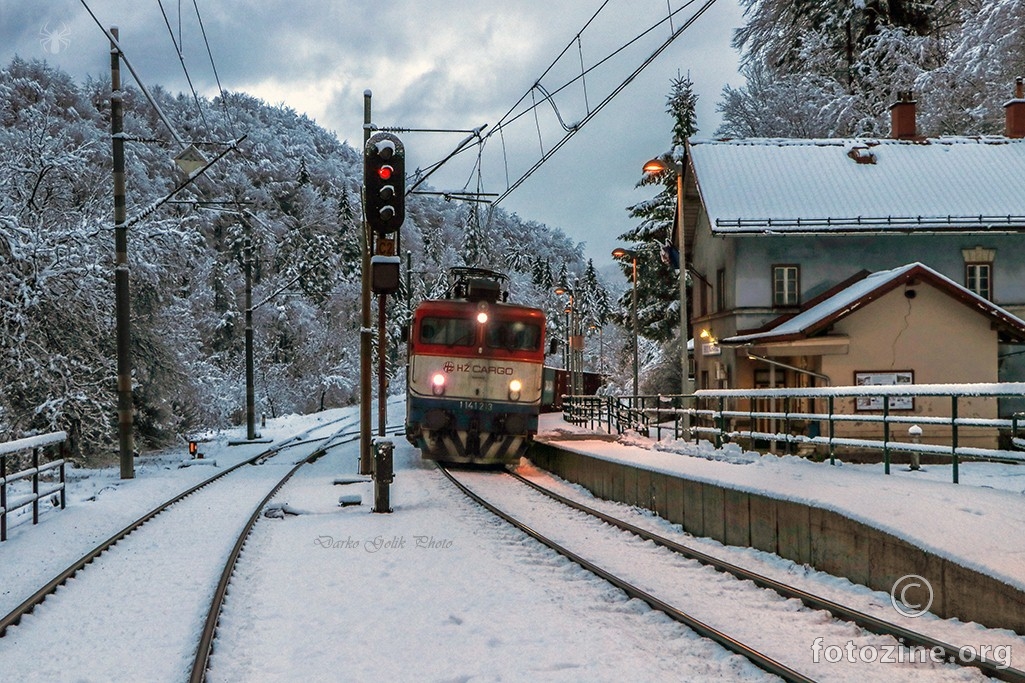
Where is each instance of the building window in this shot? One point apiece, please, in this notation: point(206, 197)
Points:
point(978, 270)
point(720, 290)
point(979, 279)
point(786, 285)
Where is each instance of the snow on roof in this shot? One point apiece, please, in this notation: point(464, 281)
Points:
point(781, 185)
point(841, 304)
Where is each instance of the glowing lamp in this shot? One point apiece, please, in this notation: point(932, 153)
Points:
point(654, 166)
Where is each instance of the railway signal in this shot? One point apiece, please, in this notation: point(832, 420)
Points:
point(384, 179)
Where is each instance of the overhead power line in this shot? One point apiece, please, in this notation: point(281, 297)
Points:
point(177, 46)
point(529, 103)
point(571, 130)
point(135, 75)
point(213, 67)
point(181, 58)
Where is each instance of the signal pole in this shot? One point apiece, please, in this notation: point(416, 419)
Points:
point(366, 457)
point(384, 186)
point(126, 447)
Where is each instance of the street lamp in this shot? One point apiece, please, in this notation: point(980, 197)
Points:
point(660, 166)
point(619, 252)
point(572, 341)
point(601, 347)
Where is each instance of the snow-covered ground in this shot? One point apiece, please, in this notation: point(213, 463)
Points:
point(439, 590)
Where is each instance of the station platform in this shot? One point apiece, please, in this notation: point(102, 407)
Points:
point(966, 540)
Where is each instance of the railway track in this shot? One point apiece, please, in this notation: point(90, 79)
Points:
point(536, 515)
point(201, 662)
point(234, 489)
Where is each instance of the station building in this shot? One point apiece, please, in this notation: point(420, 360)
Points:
point(829, 262)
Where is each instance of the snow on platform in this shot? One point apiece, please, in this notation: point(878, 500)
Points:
point(978, 524)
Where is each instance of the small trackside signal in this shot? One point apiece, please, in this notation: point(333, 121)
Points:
point(384, 178)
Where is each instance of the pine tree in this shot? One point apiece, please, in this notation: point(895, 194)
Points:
point(593, 298)
point(477, 251)
point(657, 283)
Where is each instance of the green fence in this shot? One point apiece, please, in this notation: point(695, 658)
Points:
point(938, 420)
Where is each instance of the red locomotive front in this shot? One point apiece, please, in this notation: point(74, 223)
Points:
point(474, 374)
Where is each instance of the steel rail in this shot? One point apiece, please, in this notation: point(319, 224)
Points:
point(26, 607)
point(205, 649)
point(842, 612)
point(760, 660)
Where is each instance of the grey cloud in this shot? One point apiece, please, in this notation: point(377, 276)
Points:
point(445, 63)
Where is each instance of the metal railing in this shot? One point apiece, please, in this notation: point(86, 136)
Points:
point(35, 444)
point(659, 413)
point(824, 420)
point(1018, 431)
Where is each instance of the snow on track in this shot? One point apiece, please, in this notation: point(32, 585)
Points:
point(167, 569)
point(780, 628)
point(440, 590)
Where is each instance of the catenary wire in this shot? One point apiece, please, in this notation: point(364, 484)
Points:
point(629, 79)
point(510, 117)
point(213, 66)
point(181, 58)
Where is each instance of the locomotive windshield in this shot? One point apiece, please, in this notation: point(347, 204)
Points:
point(447, 331)
point(514, 336)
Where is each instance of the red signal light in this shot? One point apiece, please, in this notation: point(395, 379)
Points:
point(384, 182)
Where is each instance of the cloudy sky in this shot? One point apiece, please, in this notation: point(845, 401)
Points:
point(452, 64)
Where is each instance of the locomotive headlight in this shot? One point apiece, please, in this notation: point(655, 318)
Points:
point(482, 317)
point(438, 384)
point(514, 389)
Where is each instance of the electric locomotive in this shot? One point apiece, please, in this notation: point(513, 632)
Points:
point(474, 373)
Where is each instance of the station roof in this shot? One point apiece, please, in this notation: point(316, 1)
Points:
point(784, 186)
point(820, 313)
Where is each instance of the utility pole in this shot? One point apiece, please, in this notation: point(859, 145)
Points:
point(681, 246)
point(633, 298)
point(123, 308)
point(366, 456)
point(250, 381)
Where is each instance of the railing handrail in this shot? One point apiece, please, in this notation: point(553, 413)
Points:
point(708, 413)
point(981, 390)
point(34, 444)
point(39, 441)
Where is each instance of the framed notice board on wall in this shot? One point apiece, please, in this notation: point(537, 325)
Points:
point(884, 378)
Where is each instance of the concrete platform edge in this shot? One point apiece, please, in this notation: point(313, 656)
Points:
point(823, 539)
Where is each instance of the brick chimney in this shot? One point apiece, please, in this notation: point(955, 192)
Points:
point(1015, 112)
point(902, 117)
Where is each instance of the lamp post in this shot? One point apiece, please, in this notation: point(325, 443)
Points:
point(660, 166)
point(572, 342)
point(601, 348)
point(619, 252)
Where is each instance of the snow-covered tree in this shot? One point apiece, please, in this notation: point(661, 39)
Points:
point(657, 280)
point(826, 69)
point(296, 209)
